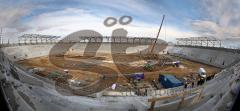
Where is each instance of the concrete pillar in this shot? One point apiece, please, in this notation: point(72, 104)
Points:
point(182, 100)
point(24, 41)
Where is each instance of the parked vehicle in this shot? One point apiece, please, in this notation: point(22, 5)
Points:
point(202, 72)
point(169, 81)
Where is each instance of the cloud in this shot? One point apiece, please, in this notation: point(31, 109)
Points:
point(69, 20)
point(128, 6)
point(11, 15)
point(222, 19)
point(12, 12)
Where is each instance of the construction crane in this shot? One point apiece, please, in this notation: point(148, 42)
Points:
point(153, 45)
point(150, 54)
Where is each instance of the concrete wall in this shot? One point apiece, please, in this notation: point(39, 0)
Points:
point(16, 53)
point(27, 51)
point(212, 56)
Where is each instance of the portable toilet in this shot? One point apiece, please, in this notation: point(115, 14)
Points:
point(138, 76)
point(169, 81)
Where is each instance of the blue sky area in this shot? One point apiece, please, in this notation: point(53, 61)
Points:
point(177, 12)
point(184, 18)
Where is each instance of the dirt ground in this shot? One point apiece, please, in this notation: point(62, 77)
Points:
point(91, 67)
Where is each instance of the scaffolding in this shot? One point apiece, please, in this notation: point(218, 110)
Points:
point(37, 38)
point(110, 39)
point(41, 39)
point(199, 41)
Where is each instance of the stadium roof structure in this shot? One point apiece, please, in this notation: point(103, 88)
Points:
point(199, 41)
point(35, 38)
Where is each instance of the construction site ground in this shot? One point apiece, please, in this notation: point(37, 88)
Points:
point(93, 66)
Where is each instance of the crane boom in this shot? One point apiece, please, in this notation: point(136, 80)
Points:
point(157, 35)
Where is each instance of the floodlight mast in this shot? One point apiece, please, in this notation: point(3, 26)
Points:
point(157, 35)
point(1, 35)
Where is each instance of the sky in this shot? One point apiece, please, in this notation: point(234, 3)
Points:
point(184, 18)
